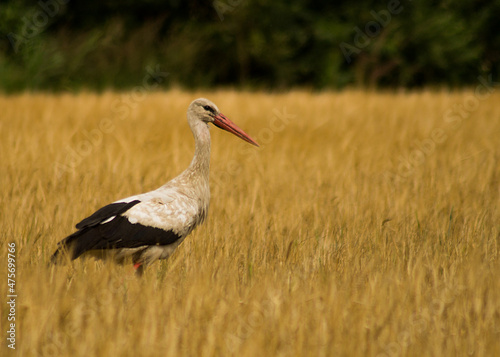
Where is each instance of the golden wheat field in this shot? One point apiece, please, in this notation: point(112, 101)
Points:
point(366, 224)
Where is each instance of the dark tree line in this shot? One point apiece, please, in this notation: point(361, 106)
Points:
point(256, 44)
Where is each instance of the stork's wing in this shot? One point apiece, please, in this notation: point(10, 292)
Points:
point(132, 224)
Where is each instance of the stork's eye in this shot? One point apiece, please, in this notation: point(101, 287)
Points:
point(209, 108)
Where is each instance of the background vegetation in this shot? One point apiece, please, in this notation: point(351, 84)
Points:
point(69, 45)
point(316, 244)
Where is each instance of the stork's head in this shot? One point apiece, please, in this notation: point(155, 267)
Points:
point(207, 112)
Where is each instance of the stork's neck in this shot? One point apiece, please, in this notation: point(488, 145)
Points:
point(200, 165)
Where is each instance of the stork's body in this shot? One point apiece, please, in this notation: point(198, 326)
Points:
point(151, 225)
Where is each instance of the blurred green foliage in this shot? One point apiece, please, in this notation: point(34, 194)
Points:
point(255, 44)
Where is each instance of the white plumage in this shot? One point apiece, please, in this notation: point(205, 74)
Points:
point(151, 225)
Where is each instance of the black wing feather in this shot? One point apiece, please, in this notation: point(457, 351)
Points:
point(102, 214)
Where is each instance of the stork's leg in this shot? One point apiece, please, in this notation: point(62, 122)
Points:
point(139, 269)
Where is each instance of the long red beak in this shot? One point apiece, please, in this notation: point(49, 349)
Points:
point(223, 122)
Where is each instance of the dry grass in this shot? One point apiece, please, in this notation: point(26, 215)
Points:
point(358, 228)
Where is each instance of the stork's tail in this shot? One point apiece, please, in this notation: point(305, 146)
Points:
point(61, 251)
point(66, 248)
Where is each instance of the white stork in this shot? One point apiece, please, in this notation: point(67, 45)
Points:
point(151, 225)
